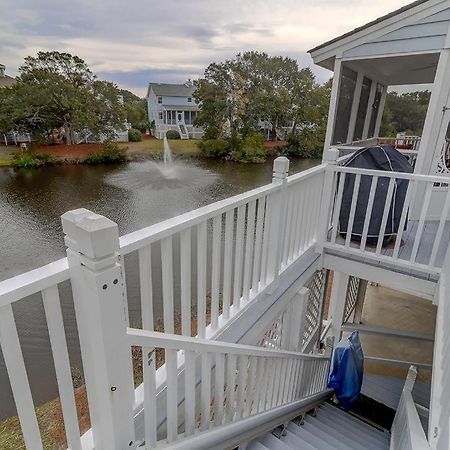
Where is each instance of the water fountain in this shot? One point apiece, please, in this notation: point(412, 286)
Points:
point(168, 160)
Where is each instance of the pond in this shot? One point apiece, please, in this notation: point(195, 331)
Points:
point(134, 195)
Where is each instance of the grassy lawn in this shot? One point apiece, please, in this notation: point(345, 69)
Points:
point(155, 147)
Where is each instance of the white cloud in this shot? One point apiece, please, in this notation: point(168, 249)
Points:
point(174, 38)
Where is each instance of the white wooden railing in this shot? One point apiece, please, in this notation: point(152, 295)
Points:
point(417, 253)
point(407, 432)
point(236, 382)
point(246, 242)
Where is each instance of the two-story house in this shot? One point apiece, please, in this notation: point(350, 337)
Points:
point(173, 107)
point(5, 80)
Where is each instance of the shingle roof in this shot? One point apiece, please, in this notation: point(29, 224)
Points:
point(6, 81)
point(172, 90)
point(367, 25)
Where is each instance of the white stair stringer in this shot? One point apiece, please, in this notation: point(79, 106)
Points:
point(331, 429)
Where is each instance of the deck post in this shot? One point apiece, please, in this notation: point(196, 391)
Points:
point(327, 197)
point(277, 219)
point(100, 306)
point(337, 303)
point(360, 297)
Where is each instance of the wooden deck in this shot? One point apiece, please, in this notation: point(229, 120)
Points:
point(423, 253)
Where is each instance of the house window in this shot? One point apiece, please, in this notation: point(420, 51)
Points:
point(161, 116)
point(159, 99)
point(189, 99)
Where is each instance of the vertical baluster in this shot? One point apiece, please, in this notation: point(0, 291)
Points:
point(15, 366)
point(185, 280)
point(242, 376)
point(303, 218)
point(259, 385)
point(409, 195)
point(215, 270)
point(337, 207)
point(167, 283)
point(201, 279)
point(288, 226)
point(264, 388)
point(294, 222)
point(251, 388)
point(266, 238)
point(351, 217)
point(422, 217)
point(239, 253)
point(368, 216)
point(231, 384)
point(172, 395)
point(149, 378)
point(206, 391)
point(189, 399)
point(272, 362)
point(276, 382)
point(145, 281)
point(258, 245)
point(440, 229)
point(219, 387)
point(249, 247)
point(148, 354)
point(387, 209)
point(311, 206)
point(53, 314)
point(229, 223)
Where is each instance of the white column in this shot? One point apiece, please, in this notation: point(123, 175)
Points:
point(337, 303)
point(355, 107)
point(277, 218)
point(373, 90)
point(376, 132)
point(429, 145)
point(333, 106)
point(100, 306)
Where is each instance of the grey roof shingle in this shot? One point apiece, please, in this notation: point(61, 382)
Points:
point(172, 90)
point(6, 81)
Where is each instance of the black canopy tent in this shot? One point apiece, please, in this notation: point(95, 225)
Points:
point(380, 157)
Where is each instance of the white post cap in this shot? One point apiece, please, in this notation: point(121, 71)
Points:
point(90, 234)
point(280, 167)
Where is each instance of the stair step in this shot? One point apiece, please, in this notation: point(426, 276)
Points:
point(270, 441)
point(256, 445)
point(309, 437)
point(295, 441)
point(338, 414)
point(346, 428)
point(314, 428)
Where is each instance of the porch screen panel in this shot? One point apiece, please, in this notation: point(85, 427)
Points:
point(362, 108)
point(344, 106)
point(375, 108)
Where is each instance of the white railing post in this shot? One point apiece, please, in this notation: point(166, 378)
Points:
point(337, 303)
point(100, 305)
point(277, 209)
point(327, 197)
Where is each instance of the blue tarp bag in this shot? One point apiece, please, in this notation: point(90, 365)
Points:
point(347, 370)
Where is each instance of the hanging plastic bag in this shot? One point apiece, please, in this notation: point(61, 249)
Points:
point(347, 370)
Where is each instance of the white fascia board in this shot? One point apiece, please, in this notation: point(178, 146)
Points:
point(378, 29)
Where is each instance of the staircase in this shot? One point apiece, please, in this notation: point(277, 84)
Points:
point(184, 134)
point(331, 429)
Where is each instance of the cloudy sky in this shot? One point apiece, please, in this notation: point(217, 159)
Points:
point(136, 41)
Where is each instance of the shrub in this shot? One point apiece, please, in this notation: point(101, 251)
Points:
point(251, 149)
point(304, 145)
point(32, 159)
point(173, 134)
point(134, 135)
point(109, 154)
point(211, 132)
point(214, 148)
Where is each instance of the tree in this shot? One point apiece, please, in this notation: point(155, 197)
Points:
point(405, 113)
point(58, 91)
point(254, 87)
point(136, 110)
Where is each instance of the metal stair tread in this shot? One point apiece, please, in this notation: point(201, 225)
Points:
point(334, 412)
point(256, 445)
point(270, 441)
point(331, 440)
point(352, 425)
point(372, 440)
point(333, 432)
point(295, 441)
point(310, 437)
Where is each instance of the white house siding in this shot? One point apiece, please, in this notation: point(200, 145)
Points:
point(427, 34)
